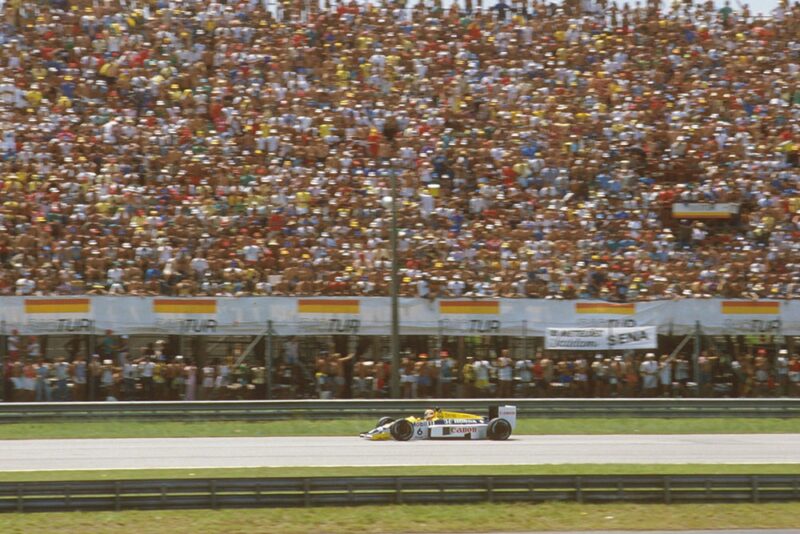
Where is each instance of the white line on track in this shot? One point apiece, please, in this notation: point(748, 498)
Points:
point(71, 454)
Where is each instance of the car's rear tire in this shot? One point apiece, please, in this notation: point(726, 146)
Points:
point(498, 429)
point(402, 430)
point(384, 421)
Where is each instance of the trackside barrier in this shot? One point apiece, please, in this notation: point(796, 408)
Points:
point(330, 491)
point(324, 409)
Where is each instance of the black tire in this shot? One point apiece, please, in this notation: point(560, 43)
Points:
point(384, 421)
point(498, 429)
point(402, 430)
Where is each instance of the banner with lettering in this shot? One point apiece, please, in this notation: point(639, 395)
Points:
point(625, 338)
point(372, 316)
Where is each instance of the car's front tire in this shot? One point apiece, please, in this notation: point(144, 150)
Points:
point(402, 430)
point(384, 421)
point(498, 429)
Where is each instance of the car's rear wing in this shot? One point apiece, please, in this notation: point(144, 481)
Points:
point(509, 413)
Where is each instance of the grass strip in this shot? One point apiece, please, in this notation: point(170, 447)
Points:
point(351, 427)
point(495, 470)
point(416, 518)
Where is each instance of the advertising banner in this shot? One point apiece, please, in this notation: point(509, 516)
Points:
point(299, 316)
point(702, 210)
point(625, 338)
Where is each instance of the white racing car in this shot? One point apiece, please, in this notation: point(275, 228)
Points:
point(438, 424)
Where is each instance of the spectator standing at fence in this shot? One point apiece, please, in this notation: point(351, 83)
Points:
point(616, 376)
point(106, 392)
point(665, 375)
point(147, 369)
point(649, 373)
point(782, 372)
point(446, 373)
point(482, 377)
point(207, 381)
point(468, 378)
point(598, 375)
point(61, 372)
point(129, 380)
point(505, 375)
point(762, 374)
point(80, 374)
point(42, 369)
point(523, 369)
point(794, 375)
point(629, 376)
point(682, 373)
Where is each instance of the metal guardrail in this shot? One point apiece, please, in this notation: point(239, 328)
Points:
point(323, 409)
point(321, 491)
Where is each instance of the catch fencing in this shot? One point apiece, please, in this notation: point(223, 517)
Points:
point(350, 491)
point(326, 409)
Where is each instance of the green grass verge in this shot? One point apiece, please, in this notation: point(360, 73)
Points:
point(546, 469)
point(351, 427)
point(421, 519)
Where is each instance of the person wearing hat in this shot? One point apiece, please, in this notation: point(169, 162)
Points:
point(649, 373)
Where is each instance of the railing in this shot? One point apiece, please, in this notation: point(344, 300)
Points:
point(330, 491)
point(323, 409)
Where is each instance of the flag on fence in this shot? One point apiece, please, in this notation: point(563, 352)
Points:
point(57, 306)
point(470, 307)
point(739, 307)
point(198, 306)
point(328, 306)
point(605, 308)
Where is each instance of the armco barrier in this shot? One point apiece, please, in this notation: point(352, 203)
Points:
point(323, 409)
point(321, 491)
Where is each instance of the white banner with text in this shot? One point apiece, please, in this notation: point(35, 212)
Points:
point(303, 316)
point(625, 338)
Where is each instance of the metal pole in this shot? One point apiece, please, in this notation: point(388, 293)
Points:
point(696, 353)
point(394, 342)
point(439, 361)
point(524, 340)
point(3, 352)
point(268, 360)
point(92, 344)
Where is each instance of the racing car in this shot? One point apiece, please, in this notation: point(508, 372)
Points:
point(439, 424)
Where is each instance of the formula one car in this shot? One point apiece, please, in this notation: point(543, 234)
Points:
point(438, 424)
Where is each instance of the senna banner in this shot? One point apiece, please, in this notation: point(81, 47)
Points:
point(625, 338)
point(301, 316)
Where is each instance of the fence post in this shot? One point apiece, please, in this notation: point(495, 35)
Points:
point(490, 489)
point(696, 355)
point(213, 487)
point(268, 361)
point(754, 489)
point(667, 490)
point(3, 353)
point(117, 504)
point(579, 490)
point(438, 361)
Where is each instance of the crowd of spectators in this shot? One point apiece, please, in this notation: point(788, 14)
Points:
point(235, 147)
point(116, 373)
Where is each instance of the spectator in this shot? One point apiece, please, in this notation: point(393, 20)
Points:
point(649, 372)
point(189, 150)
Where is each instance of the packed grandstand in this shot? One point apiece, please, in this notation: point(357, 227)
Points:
point(243, 148)
point(575, 151)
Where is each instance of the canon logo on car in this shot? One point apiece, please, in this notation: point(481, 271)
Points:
point(462, 430)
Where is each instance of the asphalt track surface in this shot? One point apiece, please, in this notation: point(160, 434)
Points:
point(79, 454)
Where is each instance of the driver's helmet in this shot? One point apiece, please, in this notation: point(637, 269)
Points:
point(429, 414)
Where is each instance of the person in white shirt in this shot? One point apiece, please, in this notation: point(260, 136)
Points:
point(649, 372)
point(665, 375)
point(505, 375)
